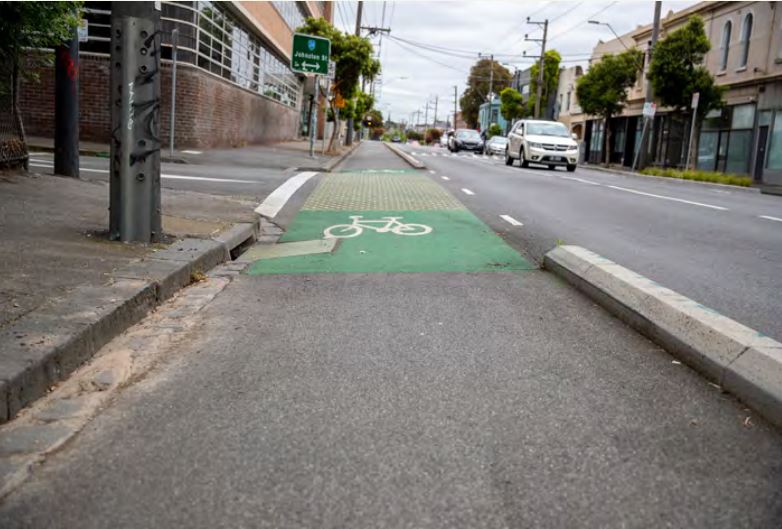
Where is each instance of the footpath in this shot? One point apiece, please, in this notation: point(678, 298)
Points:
point(65, 289)
point(392, 362)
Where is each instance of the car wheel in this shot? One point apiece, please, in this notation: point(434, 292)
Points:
point(523, 163)
point(571, 168)
point(508, 159)
point(456, 149)
point(552, 167)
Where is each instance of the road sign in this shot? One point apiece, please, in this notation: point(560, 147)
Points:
point(695, 97)
point(83, 30)
point(649, 109)
point(310, 54)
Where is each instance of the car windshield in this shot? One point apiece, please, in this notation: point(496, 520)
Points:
point(468, 135)
point(499, 139)
point(547, 129)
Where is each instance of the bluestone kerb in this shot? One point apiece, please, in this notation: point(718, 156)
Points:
point(741, 360)
point(46, 345)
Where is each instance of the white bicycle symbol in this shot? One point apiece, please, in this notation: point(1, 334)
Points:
point(384, 225)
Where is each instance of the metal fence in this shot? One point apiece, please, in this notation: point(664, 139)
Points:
point(13, 148)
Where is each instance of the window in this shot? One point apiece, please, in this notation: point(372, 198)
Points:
point(292, 13)
point(567, 101)
point(725, 44)
point(775, 145)
point(746, 34)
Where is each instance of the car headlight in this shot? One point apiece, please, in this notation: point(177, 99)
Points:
point(573, 147)
point(535, 145)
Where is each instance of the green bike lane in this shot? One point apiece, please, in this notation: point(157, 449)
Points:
point(390, 220)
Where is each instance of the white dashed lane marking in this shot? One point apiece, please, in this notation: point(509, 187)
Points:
point(664, 197)
point(445, 178)
point(511, 220)
point(767, 217)
point(467, 191)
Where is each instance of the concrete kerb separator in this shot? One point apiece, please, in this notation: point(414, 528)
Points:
point(414, 162)
point(741, 360)
point(331, 164)
point(46, 345)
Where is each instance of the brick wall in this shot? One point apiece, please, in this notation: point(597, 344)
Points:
point(211, 112)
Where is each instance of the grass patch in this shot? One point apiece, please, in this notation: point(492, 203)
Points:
point(701, 176)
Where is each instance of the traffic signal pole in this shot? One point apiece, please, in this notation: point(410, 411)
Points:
point(134, 184)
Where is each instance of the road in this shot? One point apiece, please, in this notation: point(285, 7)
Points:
point(429, 381)
point(719, 246)
point(216, 179)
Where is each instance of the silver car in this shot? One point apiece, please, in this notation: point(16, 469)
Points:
point(495, 145)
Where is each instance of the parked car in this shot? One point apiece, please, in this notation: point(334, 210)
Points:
point(495, 145)
point(396, 139)
point(541, 142)
point(465, 140)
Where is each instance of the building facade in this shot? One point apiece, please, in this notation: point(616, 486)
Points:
point(745, 137)
point(234, 83)
point(566, 109)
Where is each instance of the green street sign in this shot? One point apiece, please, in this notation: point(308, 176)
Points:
point(310, 54)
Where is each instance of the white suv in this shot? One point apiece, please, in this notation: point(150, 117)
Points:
point(542, 142)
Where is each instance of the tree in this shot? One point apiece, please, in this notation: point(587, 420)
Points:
point(512, 105)
point(494, 130)
point(29, 26)
point(477, 91)
point(551, 61)
point(602, 91)
point(677, 71)
point(353, 57)
point(432, 136)
point(362, 104)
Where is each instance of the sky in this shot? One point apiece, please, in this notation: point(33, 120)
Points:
point(414, 73)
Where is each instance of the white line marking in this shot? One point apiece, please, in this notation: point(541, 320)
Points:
point(277, 199)
point(192, 152)
point(165, 176)
point(770, 218)
point(668, 198)
point(205, 179)
point(467, 191)
point(432, 172)
point(445, 178)
point(511, 220)
point(590, 182)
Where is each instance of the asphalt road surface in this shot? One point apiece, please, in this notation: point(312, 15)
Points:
point(719, 246)
point(356, 390)
point(222, 179)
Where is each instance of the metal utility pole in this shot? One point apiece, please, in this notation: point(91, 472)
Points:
point(491, 80)
point(436, 99)
point(426, 114)
point(541, 64)
point(66, 108)
point(134, 181)
point(640, 157)
point(359, 12)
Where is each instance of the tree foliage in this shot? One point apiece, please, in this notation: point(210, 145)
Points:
point(353, 58)
point(602, 91)
point(494, 130)
point(35, 25)
point(551, 61)
point(677, 70)
point(477, 91)
point(512, 105)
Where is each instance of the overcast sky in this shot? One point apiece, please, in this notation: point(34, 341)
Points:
point(486, 26)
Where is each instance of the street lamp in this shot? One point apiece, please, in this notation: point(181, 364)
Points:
point(598, 23)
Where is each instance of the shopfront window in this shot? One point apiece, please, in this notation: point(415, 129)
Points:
point(707, 151)
point(775, 145)
point(739, 152)
point(743, 117)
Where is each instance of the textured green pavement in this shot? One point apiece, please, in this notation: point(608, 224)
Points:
point(458, 241)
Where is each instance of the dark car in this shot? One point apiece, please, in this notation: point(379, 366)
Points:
point(466, 140)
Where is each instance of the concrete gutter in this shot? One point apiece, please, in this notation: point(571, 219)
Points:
point(43, 347)
point(741, 360)
point(415, 163)
point(669, 179)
